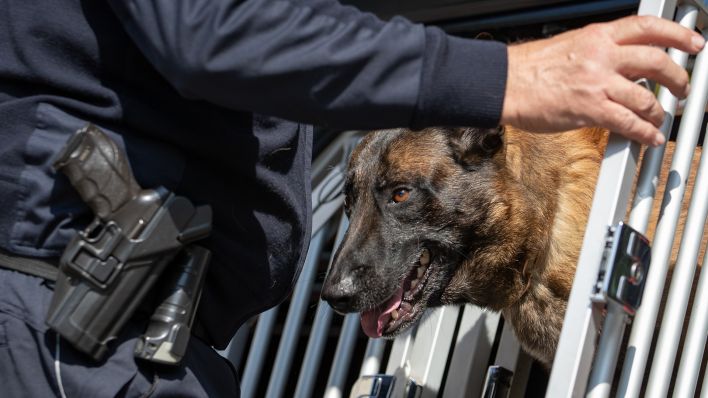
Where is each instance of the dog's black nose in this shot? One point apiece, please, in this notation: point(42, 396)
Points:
point(339, 299)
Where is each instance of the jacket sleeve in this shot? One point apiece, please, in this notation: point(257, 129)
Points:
point(317, 61)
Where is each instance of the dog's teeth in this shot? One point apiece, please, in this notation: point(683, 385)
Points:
point(394, 314)
point(420, 271)
point(414, 283)
point(425, 258)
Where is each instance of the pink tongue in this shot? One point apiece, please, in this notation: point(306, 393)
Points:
point(373, 321)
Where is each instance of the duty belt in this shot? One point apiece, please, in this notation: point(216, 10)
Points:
point(43, 268)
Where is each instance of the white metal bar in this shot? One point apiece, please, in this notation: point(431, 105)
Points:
point(326, 202)
point(471, 352)
point(315, 345)
point(371, 364)
point(571, 365)
point(603, 369)
point(521, 376)
point(327, 199)
point(681, 285)
point(398, 359)
point(659, 8)
point(334, 153)
point(642, 331)
point(342, 357)
point(257, 352)
point(694, 345)
point(318, 333)
point(509, 349)
point(653, 156)
point(616, 320)
point(432, 346)
point(510, 356)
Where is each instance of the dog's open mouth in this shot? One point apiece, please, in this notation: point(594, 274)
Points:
point(404, 306)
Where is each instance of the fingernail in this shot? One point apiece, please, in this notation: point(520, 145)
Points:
point(698, 41)
point(659, 140)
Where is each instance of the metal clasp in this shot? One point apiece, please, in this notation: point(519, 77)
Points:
point(498, 382)
point(625, 264)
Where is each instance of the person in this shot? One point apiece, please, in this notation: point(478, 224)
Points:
point(213, 99)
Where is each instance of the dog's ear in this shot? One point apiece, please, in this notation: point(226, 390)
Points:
point(471, 146)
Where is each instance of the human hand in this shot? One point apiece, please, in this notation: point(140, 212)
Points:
point(585, 77)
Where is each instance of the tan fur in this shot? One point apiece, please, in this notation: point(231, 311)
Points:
point(559, 172)
point(526, 211)
point(556, 175)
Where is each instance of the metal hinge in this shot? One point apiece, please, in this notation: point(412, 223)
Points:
point(624, 267)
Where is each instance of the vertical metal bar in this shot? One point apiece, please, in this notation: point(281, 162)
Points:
point(653, 156)
point(692, 355)
point(313, 354)
point(659, 8)
point(616, 320)
point(333, 154)
point(293, 321)
point(235, 350)
point(326, 202)
point(608, 350)
point(642, 331)
point(681, 284)
point(510, 357)
point(342, 357)
point(571, 365)
point(400, 351)
point(371, 364)
point(431, 349)
point(509, 349)
point(257, 353)
point(318, 333)
point(521, 376)
point(471, 353)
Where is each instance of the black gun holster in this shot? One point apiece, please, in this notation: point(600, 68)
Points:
point(108, 269)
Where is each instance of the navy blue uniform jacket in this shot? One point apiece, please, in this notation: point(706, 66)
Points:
point(184, 87)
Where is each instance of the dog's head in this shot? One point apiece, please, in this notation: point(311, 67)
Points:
point(421, 205)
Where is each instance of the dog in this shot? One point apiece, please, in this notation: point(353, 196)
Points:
point(492, 217)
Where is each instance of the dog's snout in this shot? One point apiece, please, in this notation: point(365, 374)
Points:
point(342, 303)
point(341, 295)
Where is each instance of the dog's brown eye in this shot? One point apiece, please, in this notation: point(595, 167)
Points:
point(401, 195)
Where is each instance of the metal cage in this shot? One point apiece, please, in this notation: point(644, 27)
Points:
point(469, 352)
